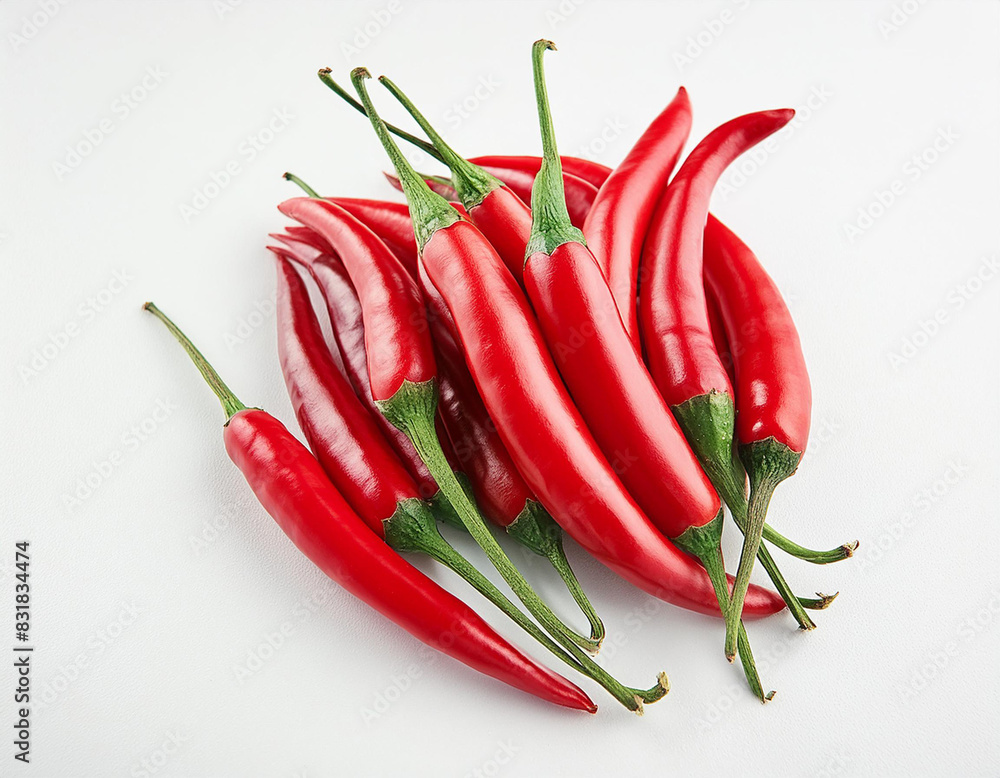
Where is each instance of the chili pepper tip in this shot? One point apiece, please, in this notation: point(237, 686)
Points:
point(547, 44)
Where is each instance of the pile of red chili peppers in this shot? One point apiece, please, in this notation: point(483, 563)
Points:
point(497, 342)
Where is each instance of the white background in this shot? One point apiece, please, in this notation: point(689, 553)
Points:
point(895, 681)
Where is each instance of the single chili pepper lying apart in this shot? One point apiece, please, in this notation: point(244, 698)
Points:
point(475, 448)
point(403, 375)
point(363, 467)
point(676, 333)
point(605, 375)
point(295, 491)
point(534, 415)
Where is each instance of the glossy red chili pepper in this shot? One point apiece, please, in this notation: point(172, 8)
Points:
point(499, 488)
point(294, 490)
point(605, 376)
point(403, 374)
point(675, 329)
point(619, 217)
point(534, 415)
point(346, 322)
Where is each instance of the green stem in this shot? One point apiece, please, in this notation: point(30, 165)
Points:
point(302, 185)
point(821, 604)
point(230, 403)
point(420, 143)
point(768, 463)
point(429, 211)
point(471, 182)
point(807, 554)
point(557, 558)
point(704, 542)
point(550, 222)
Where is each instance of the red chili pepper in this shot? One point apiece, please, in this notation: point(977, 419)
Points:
point(534, 415)
point(505, 497)
point(675, 329)
point(403, 374)
point(294, 490)
point(345, 313)
point(773, 396)
point(617, 222)
point(605, 376)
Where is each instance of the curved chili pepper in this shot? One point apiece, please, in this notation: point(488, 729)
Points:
point(499, 488)
point(403, 375)
point(295, 491)
point(536, 419)
point(345, 314)
point(614, 393)
point(675, 329)
point(617, 222)
point(773, 396)
point(364, 468)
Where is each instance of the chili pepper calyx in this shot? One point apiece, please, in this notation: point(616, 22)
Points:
point(429, 211)
point(550, 222)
